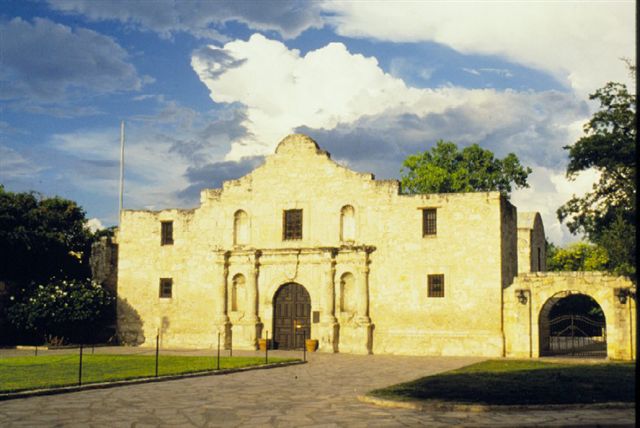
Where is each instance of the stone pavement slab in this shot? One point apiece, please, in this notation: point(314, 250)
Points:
point(322, 393)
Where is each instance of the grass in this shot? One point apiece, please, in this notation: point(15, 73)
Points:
point(512, 382)
point(24, 373)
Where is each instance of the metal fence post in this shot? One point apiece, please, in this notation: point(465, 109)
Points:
point(304, 345)
point(218, 359)
point(573, 345)
point(80, 368)
point(266, 349)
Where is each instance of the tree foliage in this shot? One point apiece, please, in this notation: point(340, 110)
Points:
point(607, 215)
point(445, 169)
point(42, 237)
point(579, 256)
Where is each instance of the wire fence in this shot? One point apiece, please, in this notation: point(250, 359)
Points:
point(36, 367)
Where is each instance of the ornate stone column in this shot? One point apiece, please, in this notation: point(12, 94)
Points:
point(221, 318)
point(253, 328)
point(329, 290)
point(252, 289)
point(364, 327)
point(362, 281)
point(328, 323)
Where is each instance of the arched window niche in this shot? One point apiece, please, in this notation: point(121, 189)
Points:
point(347, 293)
point(240, 228)
point(347, 224)
point(237, 293)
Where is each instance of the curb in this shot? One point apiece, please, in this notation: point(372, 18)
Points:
point(444, 406)
point(29, 347)
point(114, 384)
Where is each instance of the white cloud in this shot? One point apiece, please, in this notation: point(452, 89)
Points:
point(471, 71)
point(15, 166)
point(166, 152)
point(549, 189)
point(202, 18)
point(283, 90)
point(153, 175)
point(47, 61)
point(579, 42)
point(94, 224)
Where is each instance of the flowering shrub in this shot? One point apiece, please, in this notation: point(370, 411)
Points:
point(62, 308)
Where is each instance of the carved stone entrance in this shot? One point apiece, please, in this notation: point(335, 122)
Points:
point(292, 316)
point(528, 316)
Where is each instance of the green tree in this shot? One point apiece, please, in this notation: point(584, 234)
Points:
point(41, 237)
point(579, 256)
point(607, 214)
point(445, 169)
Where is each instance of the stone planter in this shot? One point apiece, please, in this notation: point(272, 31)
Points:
point(263, 343)
point(311, 344)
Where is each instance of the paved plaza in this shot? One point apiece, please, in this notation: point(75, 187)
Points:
point(321, 393)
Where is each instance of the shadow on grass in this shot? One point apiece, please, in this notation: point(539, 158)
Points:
point(522, 383)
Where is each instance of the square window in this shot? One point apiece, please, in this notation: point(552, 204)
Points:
point(292, 225)
point(166, 233)
point(436, 285)
point(429, 222)
point(166, 288)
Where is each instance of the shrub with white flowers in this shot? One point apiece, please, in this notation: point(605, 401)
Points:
point(62, 308)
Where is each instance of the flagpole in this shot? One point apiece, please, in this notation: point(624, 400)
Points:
point(121, 169)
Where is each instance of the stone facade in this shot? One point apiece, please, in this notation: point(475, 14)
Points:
point(379, 278)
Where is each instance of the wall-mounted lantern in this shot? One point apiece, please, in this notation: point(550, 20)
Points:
point(522, 296)
point(624, 293)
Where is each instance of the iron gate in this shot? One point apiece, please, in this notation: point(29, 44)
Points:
point(577, 335)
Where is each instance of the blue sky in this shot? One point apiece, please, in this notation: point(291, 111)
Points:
point(207, 89)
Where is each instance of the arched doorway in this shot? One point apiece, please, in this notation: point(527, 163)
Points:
point(572, 324)
point(291, 316)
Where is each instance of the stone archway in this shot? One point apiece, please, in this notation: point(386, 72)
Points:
point(291, 316)
point(527, 301)
point(572, 324)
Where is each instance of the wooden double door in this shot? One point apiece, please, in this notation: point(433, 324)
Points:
point(292, 316)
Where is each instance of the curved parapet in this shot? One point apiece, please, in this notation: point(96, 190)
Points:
point(296, 143)
point(532, 254)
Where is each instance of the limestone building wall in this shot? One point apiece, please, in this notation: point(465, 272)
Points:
point(362, 258)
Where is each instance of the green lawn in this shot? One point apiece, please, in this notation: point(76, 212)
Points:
point(515, 382)
point(23, 373)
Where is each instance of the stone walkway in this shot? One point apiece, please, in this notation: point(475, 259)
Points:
point(321, 393)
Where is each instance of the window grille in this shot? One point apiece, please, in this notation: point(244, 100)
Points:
point(292, 225)
point(429, 222)
point(436, 285)
point(166, 233)
point(166, 287)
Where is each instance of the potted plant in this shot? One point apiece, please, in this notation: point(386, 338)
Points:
point(311, 344)
point(263, 344)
